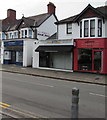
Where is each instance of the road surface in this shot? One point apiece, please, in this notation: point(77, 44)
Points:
point(50, 98)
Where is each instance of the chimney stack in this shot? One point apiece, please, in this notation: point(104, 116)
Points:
point(11, 14)
point(51, 8)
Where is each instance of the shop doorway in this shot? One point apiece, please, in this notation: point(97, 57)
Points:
point(97, 60)
point(13, 57)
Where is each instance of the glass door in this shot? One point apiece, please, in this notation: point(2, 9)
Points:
point(97, 60)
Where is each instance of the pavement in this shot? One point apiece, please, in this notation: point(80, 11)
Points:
point(84, 77)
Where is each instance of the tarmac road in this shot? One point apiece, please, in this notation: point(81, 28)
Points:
point(51, 98)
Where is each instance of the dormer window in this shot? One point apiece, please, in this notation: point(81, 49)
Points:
point(69, 28)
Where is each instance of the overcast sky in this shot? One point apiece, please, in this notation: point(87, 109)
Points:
point(64, 8)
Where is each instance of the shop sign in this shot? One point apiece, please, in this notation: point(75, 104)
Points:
point(54, 42)
point(44, 34)
point(13, 43)
point(90, 43)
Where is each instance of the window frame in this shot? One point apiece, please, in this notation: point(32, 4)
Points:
point(81, 29)
point(86, 28)
point(69, 28)
point(92, 28)
point(99, 28)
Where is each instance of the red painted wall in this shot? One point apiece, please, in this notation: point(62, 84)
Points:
point(91, 43)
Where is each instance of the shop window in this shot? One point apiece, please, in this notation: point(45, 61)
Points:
point(85, 59)
point(86, 28)
point(19, 56)
point(69, 28)
point(92, 28)
point(99, 28)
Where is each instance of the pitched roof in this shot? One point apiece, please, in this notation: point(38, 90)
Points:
point(103, 10)
point(100, 10)
point(54, 36)
point(29, 21)
point(39, 19)
point(67, 20)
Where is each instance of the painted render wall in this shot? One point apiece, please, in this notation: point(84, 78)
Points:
point(62, 31)
point(2, 51)
point(27, 52)
point(35, 63)
point(105, 29)
point(47, 27)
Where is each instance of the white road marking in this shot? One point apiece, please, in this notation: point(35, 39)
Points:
point(97, 94)
point(23, 68)
point(44, 85)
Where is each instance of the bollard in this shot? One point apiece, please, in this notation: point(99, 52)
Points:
point(75, 100)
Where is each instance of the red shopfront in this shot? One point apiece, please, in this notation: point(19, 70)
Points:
point(90, 55)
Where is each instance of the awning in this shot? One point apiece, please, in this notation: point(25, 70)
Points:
point(62, 48)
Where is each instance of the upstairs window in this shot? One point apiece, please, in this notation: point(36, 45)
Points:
point(99, 28)
point(69, 28)
point(25, 33)
point(22, 33)
point(86, 28)
point(80, 29)
point(0, 36)
point(92, 28)
point(10, 35)
point(30, 33)
point(3, 36)
point(15, 34)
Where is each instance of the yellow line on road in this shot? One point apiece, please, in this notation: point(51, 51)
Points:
point(4, 105)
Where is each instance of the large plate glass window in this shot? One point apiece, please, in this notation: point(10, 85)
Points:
point(85, 59)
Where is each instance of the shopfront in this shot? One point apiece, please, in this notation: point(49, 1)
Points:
point(13, 52)
point(90, 55)
point(55, 54)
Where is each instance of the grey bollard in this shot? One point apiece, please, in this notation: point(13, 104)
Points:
point(75, 100)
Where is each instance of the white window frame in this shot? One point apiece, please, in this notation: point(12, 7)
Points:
point(89, 31)
point(69, 28)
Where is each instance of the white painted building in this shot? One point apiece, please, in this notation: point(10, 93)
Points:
point(57, 53)
point(64, 52)
point(19, 36)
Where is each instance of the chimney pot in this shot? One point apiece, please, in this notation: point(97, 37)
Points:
point(51, 8)
point(11, 14)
